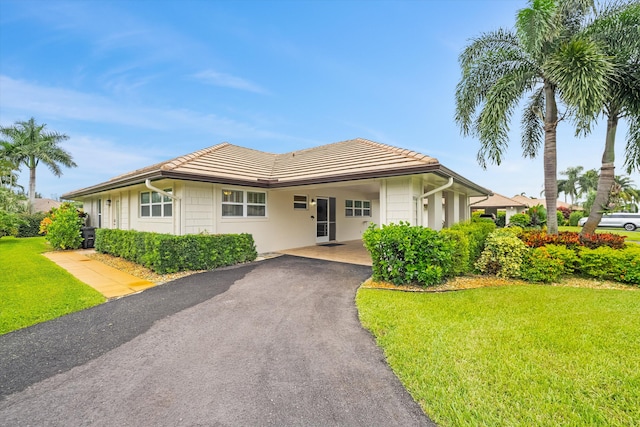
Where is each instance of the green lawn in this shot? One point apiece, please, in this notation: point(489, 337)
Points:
point(513, 356)
point(34, 289)
point(632, 236)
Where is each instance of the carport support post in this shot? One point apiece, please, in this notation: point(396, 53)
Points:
point(452, 208)
point(435, 211)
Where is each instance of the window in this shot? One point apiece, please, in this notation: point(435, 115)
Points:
point(357, 208)
point(238, 203)
point(299, 202)
point(154, 204)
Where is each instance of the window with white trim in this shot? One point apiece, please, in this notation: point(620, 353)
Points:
point(357, 208)
point(300, 202)
point(154, 204)
point(240, 204)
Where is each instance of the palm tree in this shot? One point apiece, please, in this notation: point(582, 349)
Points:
point(569, 184)
point(29, 144)
point(616, 29)
point(588, 181)
point(501, 67)
point(623, 194)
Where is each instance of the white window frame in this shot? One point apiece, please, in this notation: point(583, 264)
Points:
point(244, 203)
point(164, 201)
point(357, 208)
point(300, 205)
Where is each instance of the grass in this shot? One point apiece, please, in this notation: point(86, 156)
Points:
point(513, 356)
point(33, 289)
point(631, 236)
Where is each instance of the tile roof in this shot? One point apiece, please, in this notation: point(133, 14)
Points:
point(495, 201)
point(230, 164)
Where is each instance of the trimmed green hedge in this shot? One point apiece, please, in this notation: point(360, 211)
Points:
point(403, 254)
point(30, 226)
point(167, 253)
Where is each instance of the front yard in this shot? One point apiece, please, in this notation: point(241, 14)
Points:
point(34, 289)
point(518, 355)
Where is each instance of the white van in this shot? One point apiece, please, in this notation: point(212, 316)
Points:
point(627, 220)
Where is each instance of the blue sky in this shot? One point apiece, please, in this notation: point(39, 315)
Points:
point(140, 81)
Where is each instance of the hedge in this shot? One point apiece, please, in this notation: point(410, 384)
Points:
point(404, 254)
point(30, 225)
point(167, 253)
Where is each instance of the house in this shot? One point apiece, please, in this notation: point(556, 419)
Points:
point(327, 193)
point(498, 202)
point(44, 205)
point(531, 201)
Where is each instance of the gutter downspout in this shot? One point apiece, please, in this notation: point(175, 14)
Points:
point(430, 192)
point(147, 183)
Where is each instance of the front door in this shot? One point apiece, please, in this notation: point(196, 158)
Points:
point(325, 219)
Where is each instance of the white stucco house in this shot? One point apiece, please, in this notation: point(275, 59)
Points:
point(322, 194)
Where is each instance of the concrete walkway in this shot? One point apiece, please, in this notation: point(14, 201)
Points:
point(270, 343)
point(110, 282)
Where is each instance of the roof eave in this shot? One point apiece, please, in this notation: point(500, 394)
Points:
point(274, 183)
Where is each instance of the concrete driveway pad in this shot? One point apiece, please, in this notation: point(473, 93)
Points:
point(271, 343)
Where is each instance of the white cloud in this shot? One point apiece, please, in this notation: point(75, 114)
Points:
point(227, 80)
point(47, 102)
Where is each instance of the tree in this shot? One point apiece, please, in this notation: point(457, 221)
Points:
point(569, 184)
point(29, 144)
point(500, 68)
point(617, 31)
point(623, 195)
point(588, 181)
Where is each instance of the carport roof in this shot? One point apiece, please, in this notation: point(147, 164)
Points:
point(338, 162)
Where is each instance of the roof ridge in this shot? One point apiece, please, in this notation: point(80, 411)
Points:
point(178, 161)
point(405, 152)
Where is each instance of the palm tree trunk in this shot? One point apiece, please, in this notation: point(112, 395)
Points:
point(32, 188)
point(550, 157)
point(607, 176)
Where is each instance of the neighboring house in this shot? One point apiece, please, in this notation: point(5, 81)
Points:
point(44, 205)
point(497, 202)
point(327, 193)
point(530, 202)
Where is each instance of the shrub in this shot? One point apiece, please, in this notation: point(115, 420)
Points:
point(630, 267)
point(541, 266)
point(561, 218)
point(571, 239)
point(538, 215)
point(61, 227)
point(566, 213)
point(460, 254)
point(575, 217)
point(167, 253)
point(612, 264)
point(569, 258)
point(520, 220)
point(600, 262)
point(593, 241)
point(477, 233)
point(9, 223)
point(403, 254)
point(501, 220)
point(30, 225)
point(503, 254)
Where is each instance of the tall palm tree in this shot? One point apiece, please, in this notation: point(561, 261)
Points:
point(617, 30)
point(500, 68)
point(569, 184)
point(588, 181)
point(27, 143)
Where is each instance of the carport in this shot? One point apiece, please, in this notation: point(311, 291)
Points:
point(350, 252)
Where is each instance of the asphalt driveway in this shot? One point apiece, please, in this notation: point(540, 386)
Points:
point(276, 342)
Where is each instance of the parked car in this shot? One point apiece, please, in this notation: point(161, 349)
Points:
point(628, 221)
point(490, 216)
